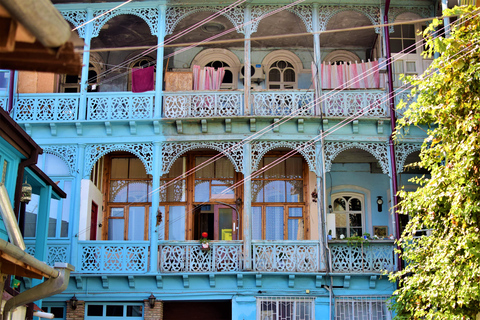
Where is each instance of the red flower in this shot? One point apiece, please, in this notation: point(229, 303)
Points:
point(204, 234)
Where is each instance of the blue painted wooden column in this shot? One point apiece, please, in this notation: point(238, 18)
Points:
point(157, 172)
point(160, 51)
point(247, 206)
point(82, 108)
point(317, 59)
point(247, 109)
point(76, 190)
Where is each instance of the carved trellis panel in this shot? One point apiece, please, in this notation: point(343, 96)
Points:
point(378, 150)
point(232, 150)
point(175, 14)
point(394, 12)
point(325, 13)
point(149, 15)
point(76, 18)
point(402, 151)
point(144, 151)
point(67, 153)
point(305, 148)
point(261, 12)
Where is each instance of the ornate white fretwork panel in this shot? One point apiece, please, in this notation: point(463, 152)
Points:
point(378, 150)
point(232, 150)
point(325, 13)
point(67, 153)
point(175, 14)
point(261, 12)
point(402, 151)
point(144, 151)
point(149, 15)
point(77, 18)
point(305, 148)
point(394, 12)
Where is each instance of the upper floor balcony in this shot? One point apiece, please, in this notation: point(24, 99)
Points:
point(99, 106)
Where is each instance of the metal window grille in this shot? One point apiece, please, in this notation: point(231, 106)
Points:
point(362, 308)
point(285, 308)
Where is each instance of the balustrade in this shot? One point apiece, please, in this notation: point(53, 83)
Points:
point(47, 107)
point(285, 256)
point(58, 251)
point(120, 106)
point(371, 256)
point(113, 257)
point(283, 103)
point(364, 103)
point(4, 103)
point(194, 104)
point(188, 256)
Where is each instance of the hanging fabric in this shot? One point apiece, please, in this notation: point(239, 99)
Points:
point(207, 78)
point(363, 75)
point(143, 79)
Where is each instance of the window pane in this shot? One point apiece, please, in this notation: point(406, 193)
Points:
point(136, 223)
point(356, 220)
point(178, 168)
point(396, 45)
point(224, 168)
point(274, 191)
point(397, 32)
point(294, 191)
point(276, 171)
point(116, 212)
point(202, 191)
point(274, 223)
point(294, 232)
point(408, 31)
point(294, 168)
point(206, 171)
point(57, 312)
point(138, 191)
point(176, 223)
point(228, 77)
point(274, 75)
point(52, 221)
point(137, 169)
point(339, 205)
point(355, 204)
point(54, 166)
point(118, 191)
point(295, 212)
point(225, 223)
point(119, 168)
point(116, 229)
point(257, 191)
point(134, 311)
point(256, 223)
point(114, 311)
point(31, 212)
point(289, 75)
point(174, 192)
point(222, 192)
point(95, 310)
point(409, 46)
point(67, 187)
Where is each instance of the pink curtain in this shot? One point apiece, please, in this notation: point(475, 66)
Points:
point(363, 75)
point(207, 78)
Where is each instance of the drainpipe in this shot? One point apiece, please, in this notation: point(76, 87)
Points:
point(393, 122)
point(57, 282)
point(11, 83)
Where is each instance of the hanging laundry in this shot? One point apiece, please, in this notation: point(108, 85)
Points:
point(143, 79)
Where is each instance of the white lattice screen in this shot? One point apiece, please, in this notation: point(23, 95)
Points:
point(362, 308)
point(285, 308)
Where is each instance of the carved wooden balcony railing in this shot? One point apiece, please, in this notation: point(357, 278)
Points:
point(374, 256)
point(367, 103)
point(286, 256)
point(46, 107)
point(202, 104)
point(187, 256)
point(57, 251)
point(283, 103)
point(120, 106)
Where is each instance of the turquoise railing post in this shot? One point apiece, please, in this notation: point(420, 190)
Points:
point(82, 108)
point(160, 52)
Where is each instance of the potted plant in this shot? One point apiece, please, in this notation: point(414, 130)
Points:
point(204, 242)
point(329, 237)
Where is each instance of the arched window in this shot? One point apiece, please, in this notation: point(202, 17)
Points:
point(71, 83)
point(349, 214)
point(281, 75)
point(220, 58)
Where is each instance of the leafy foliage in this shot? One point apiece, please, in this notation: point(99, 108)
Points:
point(441, 279)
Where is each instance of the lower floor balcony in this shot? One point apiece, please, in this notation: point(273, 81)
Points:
point(136, 257)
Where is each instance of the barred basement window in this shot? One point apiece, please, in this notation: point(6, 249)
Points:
point(362, 308)
point(285, 308)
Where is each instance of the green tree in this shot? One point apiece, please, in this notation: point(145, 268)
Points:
point(441, 279)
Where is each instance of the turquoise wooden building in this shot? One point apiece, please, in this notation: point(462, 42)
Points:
point(210, 117)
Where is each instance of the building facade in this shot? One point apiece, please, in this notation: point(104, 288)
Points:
point(212, 118)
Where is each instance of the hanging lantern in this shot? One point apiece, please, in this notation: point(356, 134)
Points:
point(26, 192)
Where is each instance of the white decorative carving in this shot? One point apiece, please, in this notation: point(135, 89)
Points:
point(260, 12)
point(175, 14)
point(144, 151)
point(77, 18)
point(232, 150)
point(325, 13)
point(394, 12)
point(378, 150)
point(67, 153)
point(402, 151)
point(305, 148)
point(150, 15)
